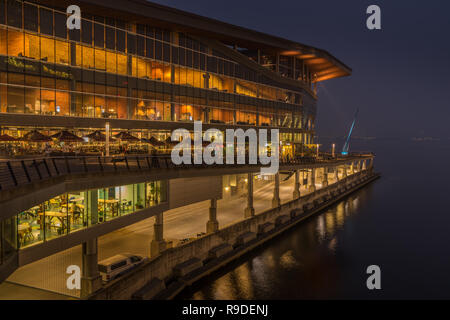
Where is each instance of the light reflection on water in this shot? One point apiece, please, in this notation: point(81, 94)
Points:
point(298, 264)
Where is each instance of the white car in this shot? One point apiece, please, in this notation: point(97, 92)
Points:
point(116, 266)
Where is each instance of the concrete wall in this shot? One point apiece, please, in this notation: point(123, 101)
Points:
point(162, 266)
point(191, 190)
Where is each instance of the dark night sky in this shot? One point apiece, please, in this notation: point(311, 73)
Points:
point(401, 73)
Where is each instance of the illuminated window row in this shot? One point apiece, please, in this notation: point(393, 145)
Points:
point(75, 211)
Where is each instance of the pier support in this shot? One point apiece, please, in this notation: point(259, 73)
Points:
point(91, 209)
point(325, 177)
point(312, 180)
point(344, 171)
point(91, 280)
point(336, 173)
point(276, 192)
point(212, 225)
point(249, 211)
point(158, 244)
point(296, 193)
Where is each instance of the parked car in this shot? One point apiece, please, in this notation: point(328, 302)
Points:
point(116, 266)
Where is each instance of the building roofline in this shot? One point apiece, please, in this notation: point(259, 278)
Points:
point(319, 61)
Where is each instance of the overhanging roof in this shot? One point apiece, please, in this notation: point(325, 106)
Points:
point(319, 61)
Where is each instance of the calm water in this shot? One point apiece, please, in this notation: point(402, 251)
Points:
point(401, 223)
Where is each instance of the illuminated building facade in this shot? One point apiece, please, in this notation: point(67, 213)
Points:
point(149, 69)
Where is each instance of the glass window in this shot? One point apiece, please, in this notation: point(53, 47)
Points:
point(120, 40)
point(56, 217)
point(166, 52)
point(111, 62)
point(62, 52)
point(14, 13)
point(2, 12)
point(131, 43)
point(46, 21)
point(88, 57)
point(30, 17)
point(127, 199)
point(15, 43)
point(86, 31)
point(158, 50)
point(139, 196)
point(141, 46)
point(60, 25)
point(30, 226)
point(33, 99)
point(99, 35)
point(32, 46)
point(3, 41)
point(100, 63)
point(110, 38)
point(48, 50)
point(121, 64)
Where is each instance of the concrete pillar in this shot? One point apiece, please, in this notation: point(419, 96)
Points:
point(364, 166)
point(336, 173)
point(296, 193)
point(325, 177)
point(371, 164)
point(91, 280)
point(312, 180)
point(91, 208)
point(276, 192)
point(158, 244)
point(212, 225)
point(249, 211)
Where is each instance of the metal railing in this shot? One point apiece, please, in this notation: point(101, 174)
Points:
point(19, 172)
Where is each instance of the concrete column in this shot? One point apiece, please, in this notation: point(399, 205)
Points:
point(296, 193)
point(91, 280)
point(212, 225)
point(336, 173)
point(344, 171)
point(158, 244)
point(249, 211)
point(371, 164)
point(312, 180)
point(325, 178)
point(91, 208)
point(276, 192)
point(364, 166)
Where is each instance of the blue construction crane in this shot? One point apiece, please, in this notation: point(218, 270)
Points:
point(346, 144)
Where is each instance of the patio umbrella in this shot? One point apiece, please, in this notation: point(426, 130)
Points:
point(66, 136)
point(7, 138)
point(125, 136)
point(169, 142)
point(155, 142)
point(36, 136)
point(97, 136)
